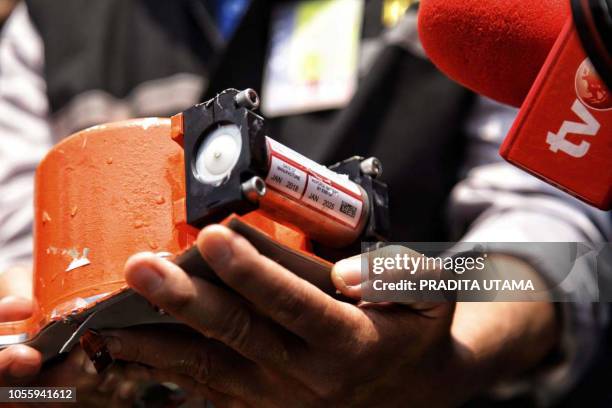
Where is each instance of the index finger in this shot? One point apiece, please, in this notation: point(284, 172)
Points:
point(291, 301)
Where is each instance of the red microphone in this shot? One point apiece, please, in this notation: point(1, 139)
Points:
point(530, 53)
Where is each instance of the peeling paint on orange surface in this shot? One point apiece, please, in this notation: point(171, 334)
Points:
point(91, 216)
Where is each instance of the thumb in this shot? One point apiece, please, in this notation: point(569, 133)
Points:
point(352, 275)
point(347, 277)
point(356, 277)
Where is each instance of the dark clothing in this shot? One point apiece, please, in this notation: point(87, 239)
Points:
point(404, 112)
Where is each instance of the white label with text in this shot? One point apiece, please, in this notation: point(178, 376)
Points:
point(286, 178)
point(333, 201)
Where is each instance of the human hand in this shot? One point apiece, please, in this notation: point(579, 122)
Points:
point(21, 365)
point(18, 363)
point(277, 340)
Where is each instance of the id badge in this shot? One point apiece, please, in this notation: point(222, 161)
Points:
point(313, 56)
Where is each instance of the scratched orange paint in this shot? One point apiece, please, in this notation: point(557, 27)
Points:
point(102, 195)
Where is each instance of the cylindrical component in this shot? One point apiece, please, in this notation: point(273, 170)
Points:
point(371, 167)
point(593, 20)
point(253, 189)
point(327, 206)
point(247, 99)
point(102, 195)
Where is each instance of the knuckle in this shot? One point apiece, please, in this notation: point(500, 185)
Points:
point(364, 349)
point(246, 260)
point(236, 328)
point(359, 347)
point(198, 365)
point(239, 272)
point(177, 301)
point(289, 308)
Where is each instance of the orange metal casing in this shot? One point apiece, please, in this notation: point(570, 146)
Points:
point(101, 195)
point(113, 190)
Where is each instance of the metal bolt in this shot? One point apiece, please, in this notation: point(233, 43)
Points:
point(253, 189)
point(371, 167)
point(247, 99)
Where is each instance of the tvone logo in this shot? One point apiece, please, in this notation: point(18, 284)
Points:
point(591, 92)
point(590, 89)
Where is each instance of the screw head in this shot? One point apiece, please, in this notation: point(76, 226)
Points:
point(253, 189)
point(247, 99)
point(371, 167)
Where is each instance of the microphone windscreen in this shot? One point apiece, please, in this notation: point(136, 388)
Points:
point(493, 47)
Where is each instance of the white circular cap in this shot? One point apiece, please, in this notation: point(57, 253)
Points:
point(218, 155)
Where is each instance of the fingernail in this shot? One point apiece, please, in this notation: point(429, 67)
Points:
point(349, 271)
point(217, 249)
point(146, 280)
